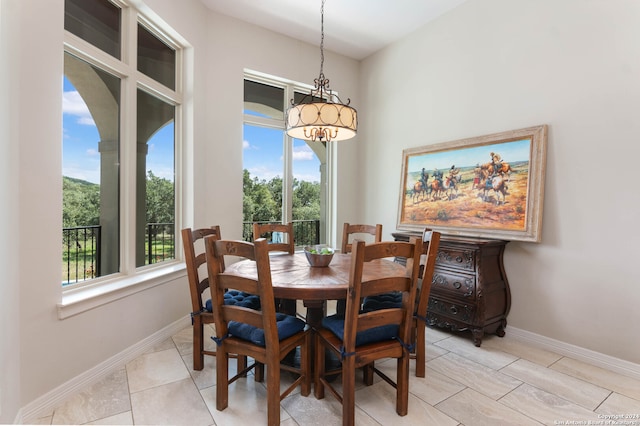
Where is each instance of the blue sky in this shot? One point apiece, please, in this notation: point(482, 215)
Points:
point(80, 156)
point(469, 157)
point(263, 155)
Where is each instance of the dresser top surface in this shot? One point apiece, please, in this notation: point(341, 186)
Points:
point(454, 238)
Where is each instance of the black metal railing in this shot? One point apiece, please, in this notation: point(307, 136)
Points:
point(81, 253)
point(82, 246)
point(160, 241)
point(305, 232)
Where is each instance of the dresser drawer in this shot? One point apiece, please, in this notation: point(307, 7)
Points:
point(461, 312)
point(458, 286)
point(457, 258)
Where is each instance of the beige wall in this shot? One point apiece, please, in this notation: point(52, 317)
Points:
point(495, 65)
point(9, 275)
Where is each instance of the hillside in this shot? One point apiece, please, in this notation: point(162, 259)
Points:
point(80, 202)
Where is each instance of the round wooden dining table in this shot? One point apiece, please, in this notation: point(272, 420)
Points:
point(293, 278)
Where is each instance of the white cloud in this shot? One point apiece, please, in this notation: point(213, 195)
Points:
point(161, 171)
point(73, 104)
point(307, 177)
point(83, 172)
point(264, 173)
point(303, 153)
point(86, 121)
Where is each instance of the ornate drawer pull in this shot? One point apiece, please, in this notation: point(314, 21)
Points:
point(457, 285)
point(454, 310)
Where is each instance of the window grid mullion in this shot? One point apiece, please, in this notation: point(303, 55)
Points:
point(128, 144)
point(287, 184)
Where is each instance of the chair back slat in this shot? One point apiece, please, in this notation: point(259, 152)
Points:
point(241, 314)
point(380, 318)
point(352, 231)
point(288, 245)
point(383, 285)
point(386, 250)
point(201, 259)
point(234, 282)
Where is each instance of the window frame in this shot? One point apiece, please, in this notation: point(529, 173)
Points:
point(290, 87)
point(131, 279)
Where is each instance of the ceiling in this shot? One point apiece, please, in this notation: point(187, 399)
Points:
point(353, 28)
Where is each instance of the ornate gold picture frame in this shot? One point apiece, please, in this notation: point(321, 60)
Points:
point(489, 186)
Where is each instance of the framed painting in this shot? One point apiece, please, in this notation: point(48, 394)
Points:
point(489, 186)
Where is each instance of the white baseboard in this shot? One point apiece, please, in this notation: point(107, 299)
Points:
point(617, 365)
point(44, 405)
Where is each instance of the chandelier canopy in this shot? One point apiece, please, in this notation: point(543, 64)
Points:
point(321, 115)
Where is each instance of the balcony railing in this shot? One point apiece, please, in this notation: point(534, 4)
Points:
point(81, 246)
point(81, 250)
point(305, 232)
point(81, 253)
point(161, 242)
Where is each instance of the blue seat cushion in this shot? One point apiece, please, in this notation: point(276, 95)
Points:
point(335, 323)
point(288, 325)
point(382, 301)
point(235, 297)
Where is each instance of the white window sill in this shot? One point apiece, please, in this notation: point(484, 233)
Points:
point(76, 301)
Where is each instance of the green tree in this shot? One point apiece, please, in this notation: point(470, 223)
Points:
point(275, 188)
point(266, 208)
point(306, 200)
point(262, 200)
point(160, 199)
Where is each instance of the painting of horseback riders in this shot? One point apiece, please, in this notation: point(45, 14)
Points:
point(490, 186)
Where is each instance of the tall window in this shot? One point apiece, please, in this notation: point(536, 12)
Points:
point(285, 179)
point(119, 143)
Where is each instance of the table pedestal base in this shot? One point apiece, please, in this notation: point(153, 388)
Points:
point(316, 310)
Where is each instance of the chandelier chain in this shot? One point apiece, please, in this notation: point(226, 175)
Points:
point(321, 37)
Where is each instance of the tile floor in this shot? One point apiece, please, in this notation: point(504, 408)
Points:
point(504, 382)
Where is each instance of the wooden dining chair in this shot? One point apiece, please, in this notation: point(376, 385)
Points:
point(351, 231)
point(265, 336)
point(201, 314)
point(361, 231)
point(286, 245)
point(431, 243)
point(359, 339)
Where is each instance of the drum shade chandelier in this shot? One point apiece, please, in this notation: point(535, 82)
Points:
point(317, 117)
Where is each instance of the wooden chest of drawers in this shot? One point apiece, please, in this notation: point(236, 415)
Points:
point(470, 290)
